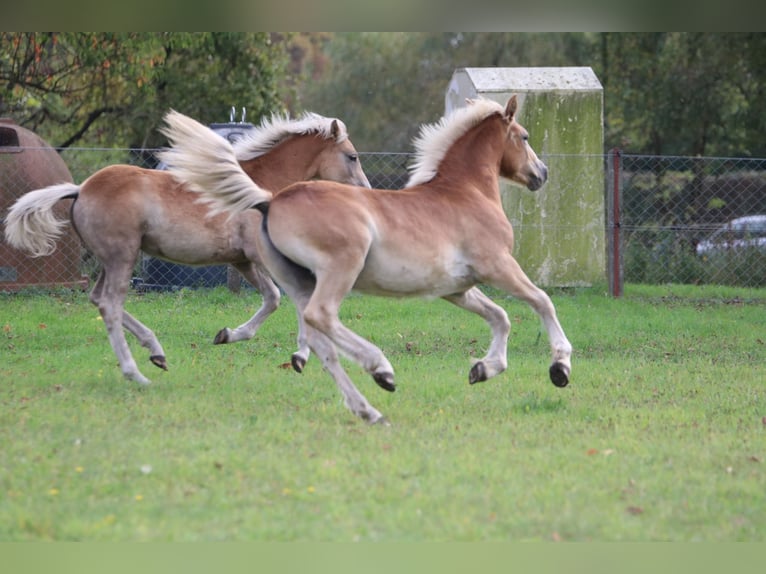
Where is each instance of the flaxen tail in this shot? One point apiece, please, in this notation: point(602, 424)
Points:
point(31, 225)
point(206, 163)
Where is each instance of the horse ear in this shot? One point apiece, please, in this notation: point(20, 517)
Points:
point(510, 107)
point(334, 129)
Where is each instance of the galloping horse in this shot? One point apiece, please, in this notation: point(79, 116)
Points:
point(121, 210)
point(442, 235)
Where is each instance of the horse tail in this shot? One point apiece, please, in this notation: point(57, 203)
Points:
point(31, 225)
point(207, 164)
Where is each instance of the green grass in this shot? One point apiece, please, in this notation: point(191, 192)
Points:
point(661, 434)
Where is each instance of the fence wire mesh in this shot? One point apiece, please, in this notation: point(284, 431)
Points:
point(693, 220)
point(680, 220)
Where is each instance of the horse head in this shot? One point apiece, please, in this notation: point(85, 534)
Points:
point(339, 160)
point(520, 162)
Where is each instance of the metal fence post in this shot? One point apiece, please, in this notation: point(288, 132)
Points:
point(614, 239)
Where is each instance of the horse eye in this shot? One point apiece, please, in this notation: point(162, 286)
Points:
point(352, 157)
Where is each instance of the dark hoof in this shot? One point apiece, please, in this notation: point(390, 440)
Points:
point(478, 373)
point(385, 381)
point(221, 337)
point(298, 363)
point(159, 361)
point(559, 375)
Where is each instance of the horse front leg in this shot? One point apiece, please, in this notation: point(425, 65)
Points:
point(514, 281)
point(496, 360)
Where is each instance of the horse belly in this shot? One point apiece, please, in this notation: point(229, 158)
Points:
point(397, 276)
point(194, 244)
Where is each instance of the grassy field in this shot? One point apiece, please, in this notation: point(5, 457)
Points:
point(661, 434)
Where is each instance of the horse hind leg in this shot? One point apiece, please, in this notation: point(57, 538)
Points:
point(321, 313)
point(300, 286)
point(109, 297)
point(495, 361)
point(146, 338)
point(271, 297)
point(352, 398)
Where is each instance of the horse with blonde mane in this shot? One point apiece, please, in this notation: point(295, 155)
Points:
point(122, 210)
point(441, 236)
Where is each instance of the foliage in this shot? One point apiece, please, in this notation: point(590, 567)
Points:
point(659, 436)
point(671, 93)
point(382, 85)
point(664, 93)
point(680, 93)
point(385, 85)
point(111, 89)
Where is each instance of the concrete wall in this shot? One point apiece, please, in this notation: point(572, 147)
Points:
point(559, 229)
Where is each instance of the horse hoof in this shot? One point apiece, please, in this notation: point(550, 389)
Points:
point(221, 337)
point(159, 361)
point(385, 381)
point(478, 373)
point(559, 375)
point(298, 363)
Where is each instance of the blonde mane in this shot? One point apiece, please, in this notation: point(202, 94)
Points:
point(278, 128)
point(434, 140)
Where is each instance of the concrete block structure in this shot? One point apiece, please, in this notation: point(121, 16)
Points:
point(559, 229)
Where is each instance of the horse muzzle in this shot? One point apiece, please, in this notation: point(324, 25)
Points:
point(537, 179)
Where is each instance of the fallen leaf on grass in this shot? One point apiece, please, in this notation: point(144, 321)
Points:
point(285, 366)
point(594, 451)
point(634, 510)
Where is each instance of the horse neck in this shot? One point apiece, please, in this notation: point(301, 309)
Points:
point(476, 155)
point(288, 162)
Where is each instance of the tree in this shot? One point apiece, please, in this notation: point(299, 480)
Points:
point(112, 89)
point(683, 93)
point(385, 85)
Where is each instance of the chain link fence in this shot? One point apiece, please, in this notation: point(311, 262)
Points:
point(693, 220)
point(667, 219)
